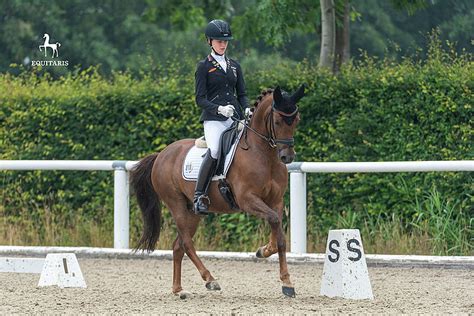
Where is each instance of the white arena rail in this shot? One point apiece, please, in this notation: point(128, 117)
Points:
point(297, 171)
point(121, 186)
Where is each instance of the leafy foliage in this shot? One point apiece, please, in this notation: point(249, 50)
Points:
point(135, 35)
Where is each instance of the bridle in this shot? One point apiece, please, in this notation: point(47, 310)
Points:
point(270, 128)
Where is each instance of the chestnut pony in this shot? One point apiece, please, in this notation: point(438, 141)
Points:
point(258, 178)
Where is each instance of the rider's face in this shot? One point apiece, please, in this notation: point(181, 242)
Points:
point(219, 46)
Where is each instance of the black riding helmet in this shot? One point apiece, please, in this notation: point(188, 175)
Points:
point(218, 30)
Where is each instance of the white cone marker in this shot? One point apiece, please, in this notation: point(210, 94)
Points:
point(61, 269)
point(345, 271)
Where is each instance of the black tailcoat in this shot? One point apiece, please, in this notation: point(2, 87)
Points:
point(215, 87)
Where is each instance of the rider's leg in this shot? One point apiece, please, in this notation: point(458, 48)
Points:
point(212, 132)
point(206, 172)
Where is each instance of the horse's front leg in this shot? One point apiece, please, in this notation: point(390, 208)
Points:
point(271, 248)
point(258, 208)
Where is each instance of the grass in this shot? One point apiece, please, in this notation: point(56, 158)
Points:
point(87, 233)
point(26, 232)
point(450, 229)
point(439, 227)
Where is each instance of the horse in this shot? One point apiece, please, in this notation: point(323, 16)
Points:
point(46, 44)
point(258, 178)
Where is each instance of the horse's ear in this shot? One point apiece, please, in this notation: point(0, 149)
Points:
point(298, 94)
point(277, 97)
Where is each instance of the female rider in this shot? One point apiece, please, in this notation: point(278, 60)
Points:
point(220, 92)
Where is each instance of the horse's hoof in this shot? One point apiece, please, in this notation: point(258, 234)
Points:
point(288, 291)
point(184, 295)
point(213, 286)
point(259, 253)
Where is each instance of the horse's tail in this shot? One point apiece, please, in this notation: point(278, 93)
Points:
point(149, 202)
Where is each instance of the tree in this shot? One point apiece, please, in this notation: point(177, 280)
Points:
point(342, 50)
point(328, 34)
point(274, 21)
point(147, 34)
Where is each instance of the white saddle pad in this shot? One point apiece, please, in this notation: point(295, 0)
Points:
point(194, 159)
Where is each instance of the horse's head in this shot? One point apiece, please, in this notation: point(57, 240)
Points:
point(280, 116)
point(284, 119)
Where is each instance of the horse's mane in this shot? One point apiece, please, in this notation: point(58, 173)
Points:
point(262, 95)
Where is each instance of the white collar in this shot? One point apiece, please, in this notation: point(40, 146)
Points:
point(218, 58)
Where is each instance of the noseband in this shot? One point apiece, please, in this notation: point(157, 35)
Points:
point(270, 127)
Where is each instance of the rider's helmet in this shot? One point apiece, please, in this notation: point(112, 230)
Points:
point(218, 30)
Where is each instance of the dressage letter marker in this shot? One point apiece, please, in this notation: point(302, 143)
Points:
point(345, 270)
point(61, 269)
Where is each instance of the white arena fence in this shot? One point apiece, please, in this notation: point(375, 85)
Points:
point(298, 171)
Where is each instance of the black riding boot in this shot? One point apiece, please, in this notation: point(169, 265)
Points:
point(206, 172)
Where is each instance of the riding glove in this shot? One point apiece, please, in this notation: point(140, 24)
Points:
point(226, 110)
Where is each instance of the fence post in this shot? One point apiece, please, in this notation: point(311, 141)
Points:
point(298, 211)
point(121, 206)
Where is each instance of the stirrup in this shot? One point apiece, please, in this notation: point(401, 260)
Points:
point(199, 201)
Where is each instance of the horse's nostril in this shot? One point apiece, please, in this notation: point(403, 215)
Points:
point(287, 159)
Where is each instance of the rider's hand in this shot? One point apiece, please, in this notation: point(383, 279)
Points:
point(241, 125)
point(226, 110)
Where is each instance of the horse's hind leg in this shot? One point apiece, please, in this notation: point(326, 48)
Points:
point(187, 224)
point(178, 254)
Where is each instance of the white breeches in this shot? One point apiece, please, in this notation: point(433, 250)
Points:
point(212, 132)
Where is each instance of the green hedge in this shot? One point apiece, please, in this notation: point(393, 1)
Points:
point(371, 111)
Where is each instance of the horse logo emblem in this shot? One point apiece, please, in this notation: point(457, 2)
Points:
point(46, 44)
point(189, 167)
